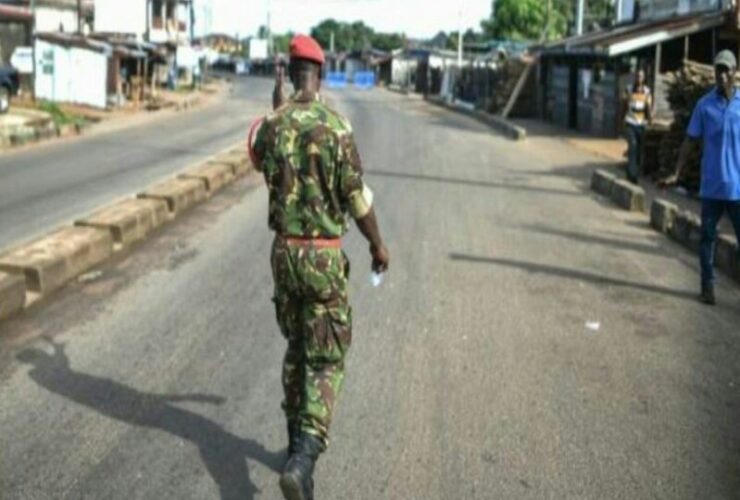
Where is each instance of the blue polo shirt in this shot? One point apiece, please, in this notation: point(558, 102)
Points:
point(717, 122)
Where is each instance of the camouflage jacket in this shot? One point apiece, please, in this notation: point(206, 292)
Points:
point(310, 162)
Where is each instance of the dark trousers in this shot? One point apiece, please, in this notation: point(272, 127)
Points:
point(636, 142)
point(711, 213)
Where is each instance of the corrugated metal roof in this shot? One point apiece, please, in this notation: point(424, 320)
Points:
point(72, 40)
point(628, 38)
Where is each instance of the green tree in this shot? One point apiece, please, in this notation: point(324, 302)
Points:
point(354, 36)
point(388, 41)
point(527, 19)
point(470, 36)
point(281, 43)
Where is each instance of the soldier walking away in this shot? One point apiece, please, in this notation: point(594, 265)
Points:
point(715, 122)
point(637, 118)
point(309, 159)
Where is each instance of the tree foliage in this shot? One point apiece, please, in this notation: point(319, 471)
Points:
point(527, 19)
point(354, 36)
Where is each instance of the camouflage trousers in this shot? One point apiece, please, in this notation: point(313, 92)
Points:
point(314, 315)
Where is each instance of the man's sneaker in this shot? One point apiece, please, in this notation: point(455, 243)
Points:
point(707, 295)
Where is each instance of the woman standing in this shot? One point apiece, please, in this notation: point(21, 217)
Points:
point(637, 118)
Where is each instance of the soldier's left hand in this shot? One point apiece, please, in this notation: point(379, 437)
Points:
point(381, 258)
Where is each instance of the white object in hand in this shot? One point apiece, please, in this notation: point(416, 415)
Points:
point(376, 279)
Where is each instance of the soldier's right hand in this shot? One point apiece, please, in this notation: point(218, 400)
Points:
point(381, 258)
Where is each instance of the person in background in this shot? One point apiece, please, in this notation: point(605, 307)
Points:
point(715, 122)
point(637, 118)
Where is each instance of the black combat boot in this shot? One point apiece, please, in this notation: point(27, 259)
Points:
point(296, 482)
point(294, 432)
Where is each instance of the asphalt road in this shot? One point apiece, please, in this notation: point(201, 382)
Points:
point(44, 187)
point(472, 375)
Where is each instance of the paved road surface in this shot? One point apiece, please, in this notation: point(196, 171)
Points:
point(44, 187)
point(472, 374)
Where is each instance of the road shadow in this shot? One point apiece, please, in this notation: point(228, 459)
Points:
point(598, 240)
point(471, 183)
point(223, 453)
point(573, 274)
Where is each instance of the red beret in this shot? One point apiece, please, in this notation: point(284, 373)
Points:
point(305, 47)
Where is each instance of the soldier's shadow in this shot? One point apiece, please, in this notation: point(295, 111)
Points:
point(223, 453)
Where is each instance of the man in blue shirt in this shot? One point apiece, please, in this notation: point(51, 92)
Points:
point(716, 123)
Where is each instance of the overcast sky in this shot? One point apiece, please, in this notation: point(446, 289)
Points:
point(417, 18)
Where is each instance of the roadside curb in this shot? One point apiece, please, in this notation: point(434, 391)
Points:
point(682, 226)
point(498, 123)
point(621, 192)
point(34, 134)
point(32, 272)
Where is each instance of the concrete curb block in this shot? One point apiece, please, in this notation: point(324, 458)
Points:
point(52, 261)
point(628, 196)
point(215, 175)
point(33, 271)
point(602, 182)
point(180, 194)
point(12, 294)
point(129, 221)
point(498, 123)
point(623, 193)
point(236, 159)
point(43, 133)
point(684, 227)
point(663, 216)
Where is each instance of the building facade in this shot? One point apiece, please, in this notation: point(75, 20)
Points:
point(155, 21)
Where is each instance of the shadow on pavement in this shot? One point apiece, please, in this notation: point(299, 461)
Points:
point(573, 274)
point(599, 240)
point(472, 183)
point(223, 453)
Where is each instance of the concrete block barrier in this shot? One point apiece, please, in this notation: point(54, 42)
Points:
point(67, 130)
point(215, 175)
point(52, 261)
point(498, 123)
point(237, 160)
point(180, 194)
point(12, 294)
point(130, 220)
point(602, 182)
point(663, 215)
point(628, 196)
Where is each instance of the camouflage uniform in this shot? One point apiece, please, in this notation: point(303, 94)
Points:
point(313, 173)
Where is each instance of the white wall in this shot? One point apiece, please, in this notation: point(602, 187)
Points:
point(78, 76)
point(112, 17)
point(49, 19)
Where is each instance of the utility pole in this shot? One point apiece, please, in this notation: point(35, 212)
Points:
point(79, 17)
point(460, 37)
point(270, 48)
point(192, 21)
point(579, 17)
point(33, 49)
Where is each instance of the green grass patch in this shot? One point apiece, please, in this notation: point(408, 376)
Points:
point(59, 116)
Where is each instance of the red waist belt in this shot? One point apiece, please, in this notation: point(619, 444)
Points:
point(313, 242)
